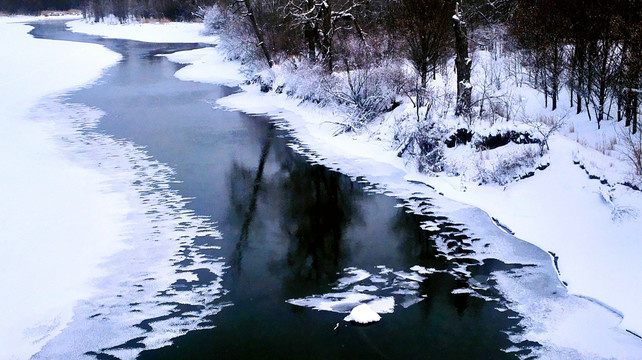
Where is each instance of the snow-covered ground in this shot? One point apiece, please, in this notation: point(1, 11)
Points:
point(89, 223)
point(559, 209)
point(148, 32)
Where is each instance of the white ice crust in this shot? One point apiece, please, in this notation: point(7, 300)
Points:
point(148, 32)
point(206, 65)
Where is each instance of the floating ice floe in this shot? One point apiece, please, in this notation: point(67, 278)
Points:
point(379, 292)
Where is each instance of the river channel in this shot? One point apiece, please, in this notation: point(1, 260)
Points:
point(293, 234)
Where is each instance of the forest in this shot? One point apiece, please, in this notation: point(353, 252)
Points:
point(387, 49)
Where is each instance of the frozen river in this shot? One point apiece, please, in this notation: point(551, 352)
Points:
point(293, 236)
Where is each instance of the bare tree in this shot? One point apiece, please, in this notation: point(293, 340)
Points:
point(631, 148)
point(424, 27)
point(545, 126)
point(463, 64)
point(249, 13)
point(320, 20)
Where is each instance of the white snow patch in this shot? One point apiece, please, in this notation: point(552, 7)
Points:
point(381, 292)
point(363, 314)
point(336, 302)
point(356, 275)
point(206, 65)
point(423, 270)
point(172, 32)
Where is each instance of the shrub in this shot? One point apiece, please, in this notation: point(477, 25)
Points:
point(422, 143)
point(630, 145)
point(502, 167)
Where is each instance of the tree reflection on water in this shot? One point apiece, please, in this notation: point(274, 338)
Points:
point(311, 204)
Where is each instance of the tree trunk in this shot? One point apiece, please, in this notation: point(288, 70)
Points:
point(310, 37)
point(555, 81)
point(328, 29)
point(579, 72)
point(258, 32)
point(636, 104)
point(462, 64)
point(545, 90)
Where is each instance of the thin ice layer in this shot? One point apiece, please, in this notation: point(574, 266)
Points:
point(167, 280)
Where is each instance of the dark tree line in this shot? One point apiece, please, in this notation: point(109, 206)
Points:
point(35, 6)
point(344, 35)
point(181, 10)
point(593, 47)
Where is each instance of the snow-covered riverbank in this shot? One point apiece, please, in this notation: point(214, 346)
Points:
point(560, 209)
point(89, 223)
point(52, 225)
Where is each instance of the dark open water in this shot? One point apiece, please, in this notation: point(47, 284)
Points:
point(289, 229)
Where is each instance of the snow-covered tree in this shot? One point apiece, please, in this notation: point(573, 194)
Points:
point(320, 21)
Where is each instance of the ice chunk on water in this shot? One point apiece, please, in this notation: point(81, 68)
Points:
point(363, 314)
point(380, 292)
point(356, 275)
point(384, 305)
point(335, 302)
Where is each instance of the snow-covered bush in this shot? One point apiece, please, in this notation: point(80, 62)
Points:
point(421, 143)
point(545, 127)
point(214, 19)
point(303, 79)
point(506, 164)
point(630, 146)
point(491, 100)
point(238, 40)
point(364, 94)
